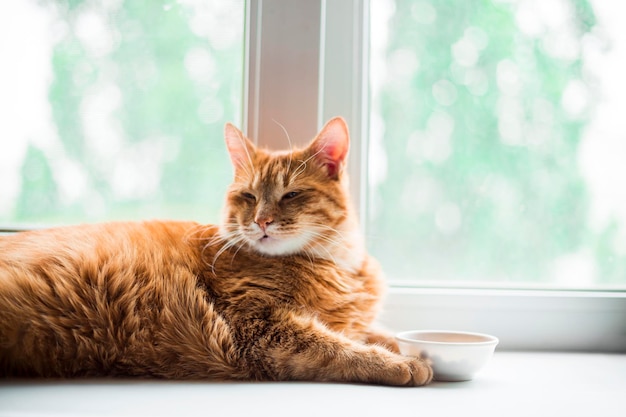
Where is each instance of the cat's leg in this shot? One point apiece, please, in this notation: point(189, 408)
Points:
point(374, 336)
point(192, 341)
point(290, 346)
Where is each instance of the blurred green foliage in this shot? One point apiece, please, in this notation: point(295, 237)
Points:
point(482, 182)
point(162, 91)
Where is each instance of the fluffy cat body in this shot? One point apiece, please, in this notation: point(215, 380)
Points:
point(283, 289)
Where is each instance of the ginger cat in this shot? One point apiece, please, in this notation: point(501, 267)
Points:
point(283, 289)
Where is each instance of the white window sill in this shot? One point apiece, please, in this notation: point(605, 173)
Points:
point(523, 320)
point(513, 384)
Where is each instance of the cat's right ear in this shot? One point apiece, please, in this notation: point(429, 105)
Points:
point(240, 148)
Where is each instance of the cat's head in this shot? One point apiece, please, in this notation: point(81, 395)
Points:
point(283, 203)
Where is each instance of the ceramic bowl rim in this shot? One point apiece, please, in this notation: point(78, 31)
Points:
point(405, 336)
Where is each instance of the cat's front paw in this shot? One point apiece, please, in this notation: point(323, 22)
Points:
point(408, 372)
point(401, 370)
point(421, 373)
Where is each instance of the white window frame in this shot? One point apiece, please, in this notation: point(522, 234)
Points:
point(306, 61)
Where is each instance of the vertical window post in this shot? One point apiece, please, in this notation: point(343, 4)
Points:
point(306, 63)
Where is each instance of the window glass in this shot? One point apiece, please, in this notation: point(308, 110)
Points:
point(115, 109)
point(498, 142)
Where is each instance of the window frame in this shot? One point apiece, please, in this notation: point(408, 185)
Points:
point(331, 38)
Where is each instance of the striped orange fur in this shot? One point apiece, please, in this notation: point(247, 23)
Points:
point(282, 289)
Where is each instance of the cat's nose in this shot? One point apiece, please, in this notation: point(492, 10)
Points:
point(264, 222)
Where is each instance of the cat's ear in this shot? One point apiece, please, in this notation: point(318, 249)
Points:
point(240, 148)
point(331, 145)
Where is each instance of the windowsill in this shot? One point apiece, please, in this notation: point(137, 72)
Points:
point(523, 320)
point(512, 384)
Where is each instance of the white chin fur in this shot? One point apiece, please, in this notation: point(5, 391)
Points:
point(274, 246)
point(348, 252)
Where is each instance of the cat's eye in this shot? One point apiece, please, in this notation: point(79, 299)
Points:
point(248, 196)
point(290, 195)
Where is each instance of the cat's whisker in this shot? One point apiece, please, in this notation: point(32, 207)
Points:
point(320, 233)
point(311, 228)
point(303, 165)
point(301, 168)
point(330, 242)
point(248, 173)
point(192, 233)
point(286, 133)
point(308, 255)
point(328, 253)
point(288, 141)
point(314, 155)
point(230, 242)
point(241, 245)
point(219, 238)
point(322, 242)
point(321, 226)
point(244, 146)
point(243, 178)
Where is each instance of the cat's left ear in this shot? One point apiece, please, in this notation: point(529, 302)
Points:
point(331, 145)
point(240, 148)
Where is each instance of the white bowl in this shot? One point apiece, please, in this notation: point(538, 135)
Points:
point(454, 356)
